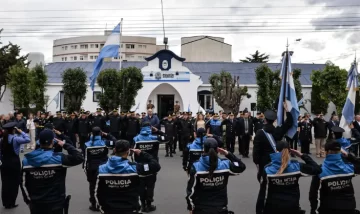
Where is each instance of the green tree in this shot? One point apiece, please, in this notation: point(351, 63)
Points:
point(227, 92)
point(74, 87)
point(109, 80)
point(131, 80)
point(18, 81)
point(256, 58)
point(9, 56)
point(264, 77)
point(38, 79)
point(332, 82)
point(318, 104)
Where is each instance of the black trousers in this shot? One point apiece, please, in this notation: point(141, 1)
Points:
point(169, 145)
point(10, 179)
point(305, 146)
point(91, 178)
point(116, 135)
point(355, 149)
point(83, 139)
point(45, 209)
point(244, 144)
point(184, 140)
point(130, 138)
point(211, 210)
point(292, 143)
point(147, 186)
point(230, 144)
point(72, 138)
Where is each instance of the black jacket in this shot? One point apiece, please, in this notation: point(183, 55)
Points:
point(114, 123)
point(228, 127)
point(59, 124)
point(305, 133)
point(132, 126)
point(170, 127)
point(240, 127)
point(186, 127)
point(282, 192)
point(333, 188)
point(262, 147)
point(320, 128)
point(21, 124)
point(43, 175)
point(83, 127)
point(258, 124)
point(118, 183)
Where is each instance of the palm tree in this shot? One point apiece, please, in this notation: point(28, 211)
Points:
point(257, 57)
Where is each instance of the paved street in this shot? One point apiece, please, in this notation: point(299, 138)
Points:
point(170, 190)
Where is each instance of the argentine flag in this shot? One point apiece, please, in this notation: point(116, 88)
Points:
point(110, 49)
point(290, 97)
point(349, 107)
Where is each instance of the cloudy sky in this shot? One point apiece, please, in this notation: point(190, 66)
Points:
point(329, 29)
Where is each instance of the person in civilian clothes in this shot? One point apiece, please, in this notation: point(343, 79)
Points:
point(245, 130)
point(320, 131)
point(132, 127)
point(213, 128)
point(170, 128)
point(96, 153)
point(264, 138)
point(207, 186)
point(30, 125)
point(114, 123)
point(119, 172)
point(279, 189)
point(228, 126)
point(152, 119)
point(305, 135)
point(44, 175)
point(334, 121)
point(10, 144)
point(193, 151)
point(332, 191)
point(356, 124)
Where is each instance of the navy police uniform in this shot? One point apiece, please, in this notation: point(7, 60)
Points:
point(228, 126)
point(44, 175)
point(214, 127)
point(193, 151)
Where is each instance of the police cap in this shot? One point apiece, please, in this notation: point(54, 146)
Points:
point(9, 125)
point(258, 113)
point(58, 112)
point(122, 146)
point(98, 109)
point(270, 115)
point(145, 124)
point(115, 110)
point(42, 113)
point(46, 136)
point(216, 115)
point(210, 143)
point(337, 129)
point(332, 145)
point(231, 114)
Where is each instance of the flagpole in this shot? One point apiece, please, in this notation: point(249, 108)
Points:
point(285, 78)
point(120, 43)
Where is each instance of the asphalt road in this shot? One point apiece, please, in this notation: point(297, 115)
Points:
point(171, 187)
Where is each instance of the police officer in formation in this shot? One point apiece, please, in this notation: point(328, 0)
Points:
point(83, 129)
point(132, 127)
point(279, 189)
point(258, 121)
point(58, 122)
point(98, 120)
point(115, 123)
point(186, 130)
point(305, 135)
point(213, 127)
point(193, 151)
point(96, 153)
point(208, 179)
point(170, 131)
point(70, 127)
point(228, 127)
point(44, 175)
point(119, 180)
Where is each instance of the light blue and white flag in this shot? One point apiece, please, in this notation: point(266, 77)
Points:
point(348, 112)
point(56, 99)
point(137, 107)
point(189, 108)
point(110, 49)
point(290, 96)
point(301, 102)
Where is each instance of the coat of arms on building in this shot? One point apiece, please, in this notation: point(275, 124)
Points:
point(158, 75)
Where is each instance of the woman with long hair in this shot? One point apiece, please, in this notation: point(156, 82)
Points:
point(30, 125)
point(199, 122)
point(279, 189)
point(10, 144)
point(96, 153)
point(207, 185)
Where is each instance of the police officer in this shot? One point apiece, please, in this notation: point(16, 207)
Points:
point(99, 120)
point(213, 128)
point(149, 143)
point(279, 189)
point(39, 124)
point(332, 191)
point(132, 127)
point(194, 150)
point(96, 153)
point(344, 142)
point(10, 144)
point(263, 138)
point(70, 123)
point(176, 134)
point(83, 130)
point(44, 174)
point(170, 131)
point(59, 122)
point(125, 197)
point(207, 185)
point(305, 135)
point(186, 128)
point(123, 127)
point(258, 121)
point(114, 123)
point(228, 127)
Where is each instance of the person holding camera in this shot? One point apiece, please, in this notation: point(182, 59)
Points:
point(119, 179)
point(10, 145)
point(44, 175)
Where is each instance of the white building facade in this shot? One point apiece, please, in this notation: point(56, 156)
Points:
point(87, 48)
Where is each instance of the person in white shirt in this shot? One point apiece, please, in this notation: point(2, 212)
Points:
point(30, 125)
